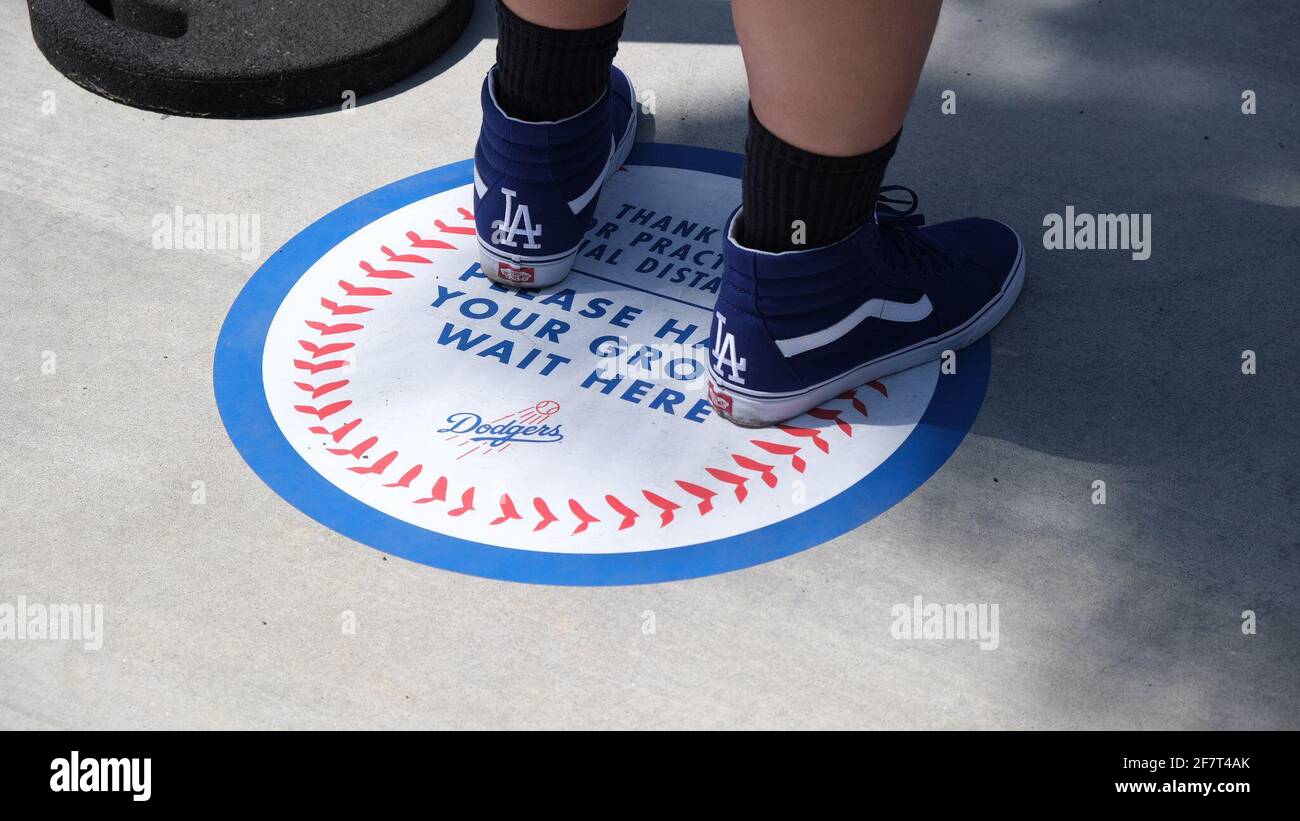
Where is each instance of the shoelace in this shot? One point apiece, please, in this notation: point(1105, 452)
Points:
point(887, 210)
point(897, 219)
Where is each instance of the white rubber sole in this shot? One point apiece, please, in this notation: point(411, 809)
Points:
point(518, 271)
point(752, 409)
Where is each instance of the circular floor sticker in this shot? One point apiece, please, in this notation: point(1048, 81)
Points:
point(373, 377)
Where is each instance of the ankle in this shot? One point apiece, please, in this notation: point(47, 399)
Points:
point(548, 74)
point(793, 199)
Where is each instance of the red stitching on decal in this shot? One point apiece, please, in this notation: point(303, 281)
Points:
point(464, 212)
point(407, 478)
point(317, 351)
point(325, 412)
point(449, 229)
point(765, 471)
point(539, 504)
point(317, 393)
point(418, 241)
point(358, 451)
point(336, 435)
point(508, 511)
point(629, 515)
point(362, 290)
point(858, 404)
point(466, 503)
point(317, 367)
point(702, 493)
point(583, 516)
point(666, 505)
point(832, 415)
point(386, 273)
point(377, 467)
point(336, 309)
point(809, 433)
point(792, 451)
point(731, 479)
point(438, 494)
point(403, 257)
point(880, 386)
point(329, 330)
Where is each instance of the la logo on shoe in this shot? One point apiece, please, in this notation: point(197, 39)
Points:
point(725, 350)
point(517, 220)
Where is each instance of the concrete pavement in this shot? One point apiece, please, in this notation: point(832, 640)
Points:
point(232, 613)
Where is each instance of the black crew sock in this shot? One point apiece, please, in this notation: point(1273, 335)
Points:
point(550, 74)
point(832, 196)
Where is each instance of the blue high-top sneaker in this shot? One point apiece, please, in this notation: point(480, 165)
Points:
point(794, 329)
point(536, 184)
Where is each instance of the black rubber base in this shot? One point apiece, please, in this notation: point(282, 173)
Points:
point(241, 58)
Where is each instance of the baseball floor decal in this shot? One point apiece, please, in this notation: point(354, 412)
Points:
point(375, 379)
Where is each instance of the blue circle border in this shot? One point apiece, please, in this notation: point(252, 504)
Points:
point(242, 403)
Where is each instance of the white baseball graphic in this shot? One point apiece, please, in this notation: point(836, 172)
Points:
point(407, 380)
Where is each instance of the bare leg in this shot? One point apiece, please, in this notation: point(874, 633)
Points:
point(568, 15)
point(830, 76)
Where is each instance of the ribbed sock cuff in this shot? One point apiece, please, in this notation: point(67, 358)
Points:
point(550, 74)
point(782, 184)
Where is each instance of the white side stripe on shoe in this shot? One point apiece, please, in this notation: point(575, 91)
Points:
point(580, 203)
point(479, 185)
point(878, 308)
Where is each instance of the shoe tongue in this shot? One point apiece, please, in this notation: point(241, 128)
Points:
point(900, 254)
